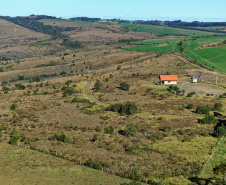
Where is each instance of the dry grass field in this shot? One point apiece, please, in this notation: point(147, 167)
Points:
point(170, 145)
point(41, 168)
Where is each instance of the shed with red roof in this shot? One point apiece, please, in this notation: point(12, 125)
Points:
point(168, 79)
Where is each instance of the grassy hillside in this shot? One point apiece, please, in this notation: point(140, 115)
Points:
point(141, 131)
point(158, 41)
point(211, 57)
point(24, 166)
point(208, 51)
point(197, 43)
point(165, 47)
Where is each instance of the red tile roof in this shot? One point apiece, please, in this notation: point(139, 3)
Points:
point(168, 77)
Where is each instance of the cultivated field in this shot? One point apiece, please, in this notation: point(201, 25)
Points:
point(211, 57)
point(164, 30)
point(194, 48)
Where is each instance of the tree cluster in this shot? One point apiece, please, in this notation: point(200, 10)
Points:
point(127, 108)
point(34, 24)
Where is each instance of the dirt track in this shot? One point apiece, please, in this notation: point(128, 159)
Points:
point(201, 89)
point(90, 94)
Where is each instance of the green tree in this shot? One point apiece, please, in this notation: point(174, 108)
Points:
point(124, 86)
point(218, 106)
point(13, 107)
point(94, 139)
point(97, 85)
point(220, 131)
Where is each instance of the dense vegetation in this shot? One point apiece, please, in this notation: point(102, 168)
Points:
point(33, 24)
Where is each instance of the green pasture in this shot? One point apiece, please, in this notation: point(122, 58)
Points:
point(165, 47)
point(164, 30)
point(211, 57)
point(194, 44)
point(217, 158)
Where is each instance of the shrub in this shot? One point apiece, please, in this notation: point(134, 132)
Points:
point(13, 140)
point(20, 86)
point(23, 139)
point(20, 77)
point(14, 137)
point(80, 100)
point(13, 107)
point(174, 89)
point(96, 165)
point(203, 109)
point(2, 128)
point(131, 183)
point(129, 149)
point(191, 94)
point(205, 134)
point(208, 119)
point(157, 135)
point(218, 106)
point(62, 138)
point(220, 131)
point(167, 128)
point(63, 73)
point(124, 86)
point(68, 91)
point(94, 139)
point(109, 130)
point(4, 88)
point(190, 106)
point(131, 129)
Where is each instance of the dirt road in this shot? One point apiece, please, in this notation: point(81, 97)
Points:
point(90, 95)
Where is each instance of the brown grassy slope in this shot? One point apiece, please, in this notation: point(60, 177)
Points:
point(15, 41)
point(100, 33)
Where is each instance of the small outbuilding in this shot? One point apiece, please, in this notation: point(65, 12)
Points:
point(168, 79)
point(194, 80)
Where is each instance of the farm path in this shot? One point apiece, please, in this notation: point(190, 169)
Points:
point(90, 95)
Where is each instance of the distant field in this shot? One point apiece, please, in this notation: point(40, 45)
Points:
point(163, 30)
point(211, 57)
point(213, 28)
point(165, 47)
point(159, 41)
point(170, 45)
point(64, 20)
